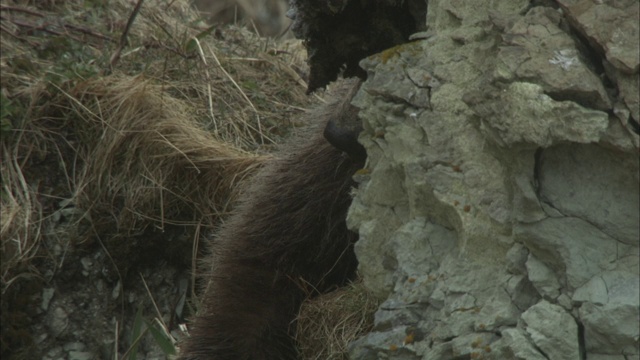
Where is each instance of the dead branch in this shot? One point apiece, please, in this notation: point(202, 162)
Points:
point(123, 38)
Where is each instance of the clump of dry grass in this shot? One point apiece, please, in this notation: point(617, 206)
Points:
point(161, 141)
point(329, 322)
point(149, 162)
point(20, 214)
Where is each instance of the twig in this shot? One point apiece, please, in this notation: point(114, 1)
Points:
point(177, 52)
point(123, 38)
point(170, 4)
point(172, 38)
point(68, 26)
point(3, 28)
point(19, 9)
point(88, 32)
point(42, 27)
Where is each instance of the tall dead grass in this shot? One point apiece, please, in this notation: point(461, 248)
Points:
point(20, 220)
point(150, 163)
point(164, 140)
point(125, 154)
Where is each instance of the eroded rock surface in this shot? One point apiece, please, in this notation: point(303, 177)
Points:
point(500, 217)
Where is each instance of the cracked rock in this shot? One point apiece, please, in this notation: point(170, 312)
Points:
point(619, 42)
point(553, 330)
point(507, 120)
point(507, 131)
point(542, 278)
point(610, 199)
point(610, 312)
point(515, 345)
point(536, 48)
point(574, 249)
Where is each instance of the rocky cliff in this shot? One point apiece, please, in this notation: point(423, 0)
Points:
point(499, 214)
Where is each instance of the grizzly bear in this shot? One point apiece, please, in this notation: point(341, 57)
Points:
point(286, 240)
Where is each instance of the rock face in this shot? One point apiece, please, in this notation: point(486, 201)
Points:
point(499, 218)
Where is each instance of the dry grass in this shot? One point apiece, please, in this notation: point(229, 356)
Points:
point(20, 220)
point(153, 164)
point(93, 148)
point(162, 136)
point(328, 323)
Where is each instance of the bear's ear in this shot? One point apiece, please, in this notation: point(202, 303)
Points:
point(345, 140)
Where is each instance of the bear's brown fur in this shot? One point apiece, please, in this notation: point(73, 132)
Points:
point(286, 240)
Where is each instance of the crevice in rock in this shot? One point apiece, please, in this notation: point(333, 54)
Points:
point(533, 344)
point(537, 171)
point(568, 95)
point(588, 52)
point(581, 341)
point(392, 98)
point(420, 86)
point(634, 125)
point(545, 3)
point(593, 57)
point(626, 121)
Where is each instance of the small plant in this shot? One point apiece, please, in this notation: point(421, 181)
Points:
point(157, 330)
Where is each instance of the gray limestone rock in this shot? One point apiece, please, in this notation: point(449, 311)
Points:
point(543, 278)
point(609, 312)
point(610, 200)
point(392, 344)
point(417, 244)
point(499, 311)
point(611, 328)
point(553, 330)
point(508, 118)
point(515, 344)
point(393, 313)
point(516, 259)
point(592, 356)
point(523, 293)
point(573, 248)
point(535, 47)
point(611, 29)
point(618, 42)
point(473, 345)
point(502, 188)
